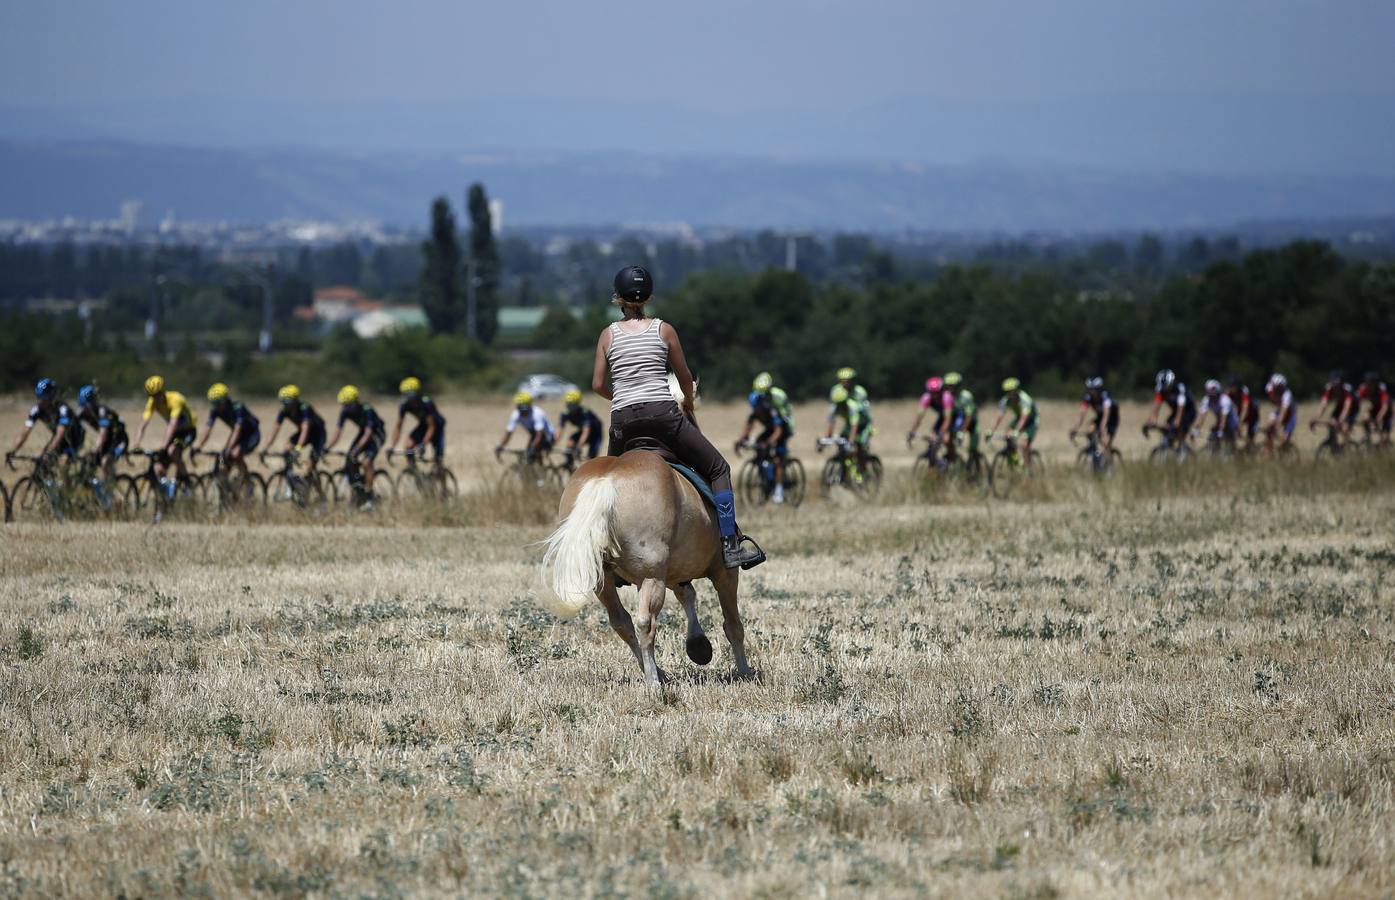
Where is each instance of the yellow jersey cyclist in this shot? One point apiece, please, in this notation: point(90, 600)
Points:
point(770, 406)
point(431, 425)
point(244, 431)
point(309, 433)
point(372, 433)
point(66, 433)
point(179, 433)
point(534, 421)
point(112, 440)
point(589, 430)
point(857, 425)
point(1025, 417)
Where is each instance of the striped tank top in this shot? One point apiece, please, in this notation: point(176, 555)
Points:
point(638, 366)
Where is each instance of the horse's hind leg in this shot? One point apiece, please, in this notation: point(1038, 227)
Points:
point(699, 647)
point(650, 602)
point(619, 618)
point(726, 581)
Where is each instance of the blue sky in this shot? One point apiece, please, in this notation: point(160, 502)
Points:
point(1220, 86)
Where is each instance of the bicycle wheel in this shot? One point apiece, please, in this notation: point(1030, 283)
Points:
point(1326, 452)
point(1006, 473)
point(447, 488)
point(324, 493)
point(832, 476)
point(794, 482)
point(278, 489)
point(749, 484)
point(408, 484)
point(1086, 461)
point(5, 501)
point(34, 500)
point(872, 476)
point(1162, 455)
point(920, 469)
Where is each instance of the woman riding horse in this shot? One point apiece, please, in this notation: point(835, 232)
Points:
point(635, 355)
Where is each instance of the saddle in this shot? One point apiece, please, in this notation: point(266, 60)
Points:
point(656, 446)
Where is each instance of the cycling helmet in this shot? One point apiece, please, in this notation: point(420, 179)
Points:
point(348, 394)
point(934, 384)
point(634, 284)
point(1010, 385)
point(1277, 382)
point(763, 382)
point(572, 396)
point(755, 399)
point(522, 398)
point(410, 385)
point(1213, 386)
point(847, 373)
point(1165, 379)
point(1372, 377)
point(46, 389)
point(87, 394)
point(1094, 384)
point(953, 379)
point(218, 393)
point(155, 384)
point(288, 394)
point(839, 394)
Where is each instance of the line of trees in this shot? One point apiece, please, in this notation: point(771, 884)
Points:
point(451, 280)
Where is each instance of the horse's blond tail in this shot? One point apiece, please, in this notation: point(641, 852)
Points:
point(572, 565)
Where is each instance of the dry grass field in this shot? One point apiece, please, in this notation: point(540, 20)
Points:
point(1176, 682)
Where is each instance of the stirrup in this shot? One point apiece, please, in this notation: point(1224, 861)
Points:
point(737, 548)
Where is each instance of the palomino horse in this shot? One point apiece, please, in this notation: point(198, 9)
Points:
point(634, 516)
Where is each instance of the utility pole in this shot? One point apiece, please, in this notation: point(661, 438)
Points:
point(264, 285)
point(152, 321)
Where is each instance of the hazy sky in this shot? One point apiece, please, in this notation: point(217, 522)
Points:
point(1195, 84)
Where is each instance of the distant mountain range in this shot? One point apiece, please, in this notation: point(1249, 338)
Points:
point(42, 179)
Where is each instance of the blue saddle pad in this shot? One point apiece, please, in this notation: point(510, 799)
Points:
point(696, 481)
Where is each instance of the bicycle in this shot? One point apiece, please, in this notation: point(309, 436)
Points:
point(757, 476)
point(968, 465)
point(148, 487)
point(39, 494)
point(843, 471)
point(1283, 451)
point(1009, 468)
point(1173, 448)
point(349, 481)
point(437, 483)
point(5, 499)
point(314, 493)
point(230, 489)
point(531, 471)
point(1093, 458)
point(1218, 445)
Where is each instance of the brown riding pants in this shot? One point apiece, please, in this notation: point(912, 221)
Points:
point(664, 422)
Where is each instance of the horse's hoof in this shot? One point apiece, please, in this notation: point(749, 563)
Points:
point(700, 649)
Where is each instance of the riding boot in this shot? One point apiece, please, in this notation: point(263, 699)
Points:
point(734, 551)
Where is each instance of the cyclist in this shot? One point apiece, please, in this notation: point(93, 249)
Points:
point(634, 358)
point(1026, 419)
point(112, 440)
point(179, 434)
point(1182, 406)
point(309, 427)
point(1216, 402)
point(1246, 409)
point(847, 377)
point(1106, 422)
point(857, 425)
point(372, 433)
point(244, 431)
point(966, 407)
point(941, 398)
point(589, 429)
point(541, 437)
point(1338, 395)
point(1284, 418)
point(1374, 392)
point(431, 425)
point(770, 406)
point(65, 427)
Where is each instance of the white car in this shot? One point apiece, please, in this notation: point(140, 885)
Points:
point(544, 387)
